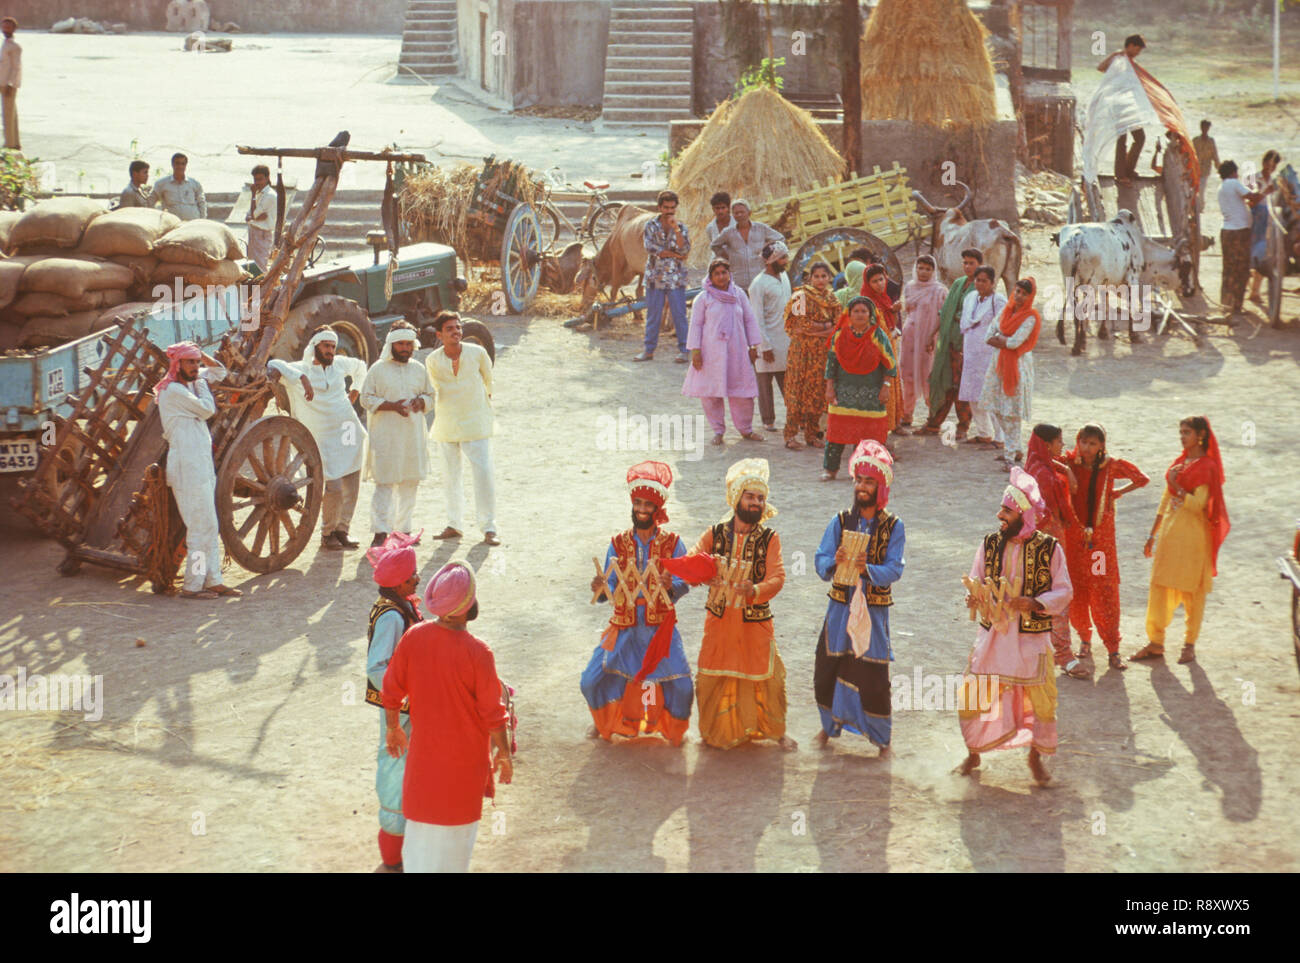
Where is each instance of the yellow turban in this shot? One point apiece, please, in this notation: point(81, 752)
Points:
point(748, 475)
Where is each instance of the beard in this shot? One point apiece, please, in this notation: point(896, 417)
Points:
point(750, 516)
point(642, 526)
point(864, 501)
point(321, 360)
point(1012, 529)
point(403, 357)
point(472, 614)
point(182, 376)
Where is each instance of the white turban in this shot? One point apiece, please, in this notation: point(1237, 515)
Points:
point(779, 250)
point(321, 336)
point(400, 334)
point(741, 202)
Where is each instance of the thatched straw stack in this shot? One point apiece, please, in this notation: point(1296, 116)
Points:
point(757, 147)
point(925, 61)
point(434, 202)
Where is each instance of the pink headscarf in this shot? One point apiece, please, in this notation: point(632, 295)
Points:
point(175, 355)
point(924, 298)
point(1023, 496)
point(873, 460)
point(451, 590)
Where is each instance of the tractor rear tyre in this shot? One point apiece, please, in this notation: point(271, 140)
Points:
point(478, 333)
point(357, 338)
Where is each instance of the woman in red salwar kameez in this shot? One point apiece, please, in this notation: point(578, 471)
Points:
point(1090, 539)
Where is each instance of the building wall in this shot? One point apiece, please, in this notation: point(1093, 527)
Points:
point(253, 16)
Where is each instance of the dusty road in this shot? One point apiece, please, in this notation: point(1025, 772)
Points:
point(231, 740)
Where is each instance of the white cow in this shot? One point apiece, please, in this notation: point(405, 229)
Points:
point(999, 246)
point(1114, 253)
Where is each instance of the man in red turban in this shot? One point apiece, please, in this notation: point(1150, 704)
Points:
point(638, 682)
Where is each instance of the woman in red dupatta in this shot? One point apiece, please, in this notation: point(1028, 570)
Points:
point(1190, 526)
point(861, 368)
point(1090, 549)
point(1046, 445)
point(1009, 383)
point(875, 288)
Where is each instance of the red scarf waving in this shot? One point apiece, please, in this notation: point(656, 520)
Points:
point(1008, 324)
point(1207, 470)
point(886, 313)
point(856, 355)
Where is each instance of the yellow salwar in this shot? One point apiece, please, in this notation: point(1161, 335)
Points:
point(741, 680)
point(1182, 566)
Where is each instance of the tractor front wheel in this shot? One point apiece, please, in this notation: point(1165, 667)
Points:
point(478, 333)
point(357, 338)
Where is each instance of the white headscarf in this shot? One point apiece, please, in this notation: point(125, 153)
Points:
point(321, 336)
point(399, 334)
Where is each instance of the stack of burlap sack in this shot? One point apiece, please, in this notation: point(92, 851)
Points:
point(73, 268)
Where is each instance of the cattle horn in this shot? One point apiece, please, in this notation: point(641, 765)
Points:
point(925, 205)
point(965, 200)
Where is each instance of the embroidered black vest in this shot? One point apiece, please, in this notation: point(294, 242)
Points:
point(373, 696)
point(755, 554)
point(1037, 573)
point(876, 548)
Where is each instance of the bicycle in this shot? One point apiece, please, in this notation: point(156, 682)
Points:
point(597, 222)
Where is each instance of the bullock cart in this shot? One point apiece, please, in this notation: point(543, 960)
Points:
point(100, 484)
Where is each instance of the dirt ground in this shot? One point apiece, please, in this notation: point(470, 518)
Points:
point(228, 742)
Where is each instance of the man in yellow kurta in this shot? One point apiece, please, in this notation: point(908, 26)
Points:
point(741, 679)
point(396, 393)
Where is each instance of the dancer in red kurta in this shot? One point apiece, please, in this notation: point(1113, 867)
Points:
point(1090, 539)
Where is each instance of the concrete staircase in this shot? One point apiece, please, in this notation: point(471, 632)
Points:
point(648, 64)
point(429, 33)
point(351, 214)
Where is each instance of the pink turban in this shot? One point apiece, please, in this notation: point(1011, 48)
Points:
point(451, 590)
point(394, 561)
point(871, 459)
point(175, 354)
point(1023, 496)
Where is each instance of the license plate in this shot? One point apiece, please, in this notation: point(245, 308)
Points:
point(18, 454)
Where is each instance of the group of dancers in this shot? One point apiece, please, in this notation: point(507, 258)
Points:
point(1051, 563)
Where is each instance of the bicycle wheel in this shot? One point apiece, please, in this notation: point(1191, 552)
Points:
point(548, 221)
point(601, 224)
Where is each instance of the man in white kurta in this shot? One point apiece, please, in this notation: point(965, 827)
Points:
point(11, 78)
point(980, 309)
point(462, 378)
point(395, 391)
point(769, 293)
point(262, 209)
point(1009, 411)
point(320, 398)
point(185, 404)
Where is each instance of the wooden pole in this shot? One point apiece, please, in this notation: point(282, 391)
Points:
point(851, 86)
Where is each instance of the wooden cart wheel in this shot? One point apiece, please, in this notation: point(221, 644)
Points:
point(521, 258)
point(834, 247)
point(269, 491)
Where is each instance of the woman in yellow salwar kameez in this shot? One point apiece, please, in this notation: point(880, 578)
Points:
point(1190, 525)
point(741, 680)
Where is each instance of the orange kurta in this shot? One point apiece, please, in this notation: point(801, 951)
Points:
point(741, 679)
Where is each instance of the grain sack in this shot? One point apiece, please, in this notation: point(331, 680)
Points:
point(128, 231)
point(7, 221)
point(223, 272)
point(200, 242)
point(11, 274)
point(58, 222)
point(47, 332)
point(125, 311)
point(73, 277)
point(142, 268)
point(41, 304)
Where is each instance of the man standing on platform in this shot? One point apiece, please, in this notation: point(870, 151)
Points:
point(397, 458)
point(180, 194)
point(263, 206)
point(11, 78)
point(851, 668)
point(320, 398)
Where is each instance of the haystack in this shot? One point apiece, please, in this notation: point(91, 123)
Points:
point(925, 61)
point(434, 202)
point(757, 147)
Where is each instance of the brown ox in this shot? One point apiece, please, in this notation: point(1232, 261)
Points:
point(620, 260)
point(999, 245)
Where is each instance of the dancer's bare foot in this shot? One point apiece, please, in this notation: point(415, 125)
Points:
point(884, 752)
point(971, 763)
point(821, 740)
point(618, 737)
point(1041, 775)
point(788, 744)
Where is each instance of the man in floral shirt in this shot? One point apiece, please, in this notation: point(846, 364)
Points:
point(667, 245)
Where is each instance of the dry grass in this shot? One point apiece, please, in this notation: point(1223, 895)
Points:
point(925, 61)
point(435, 202)
point(758, 147)
point(484, 293)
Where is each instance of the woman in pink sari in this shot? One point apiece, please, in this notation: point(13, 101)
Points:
point(723, 340)
point(922, 298)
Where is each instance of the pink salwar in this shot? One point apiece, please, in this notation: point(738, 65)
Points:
point(742, 414)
